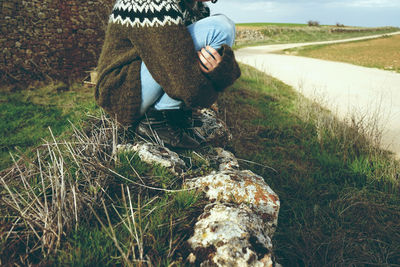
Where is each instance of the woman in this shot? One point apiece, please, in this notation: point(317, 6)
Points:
point(162, 58)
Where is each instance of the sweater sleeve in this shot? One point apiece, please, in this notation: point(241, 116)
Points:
point(165, 45)
point(228, 70)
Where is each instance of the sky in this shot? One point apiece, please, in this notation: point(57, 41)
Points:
point(367, 13)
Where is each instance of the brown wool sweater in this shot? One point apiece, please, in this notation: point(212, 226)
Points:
point(154, 31)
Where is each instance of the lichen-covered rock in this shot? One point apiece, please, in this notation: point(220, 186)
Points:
point(230, 235)
point(155, 154)
point(239, 187)
point(214, 130)
point(235, 230)
point(226, 159)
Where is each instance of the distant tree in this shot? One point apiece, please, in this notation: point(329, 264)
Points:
point(313, 23)
point(339, 24)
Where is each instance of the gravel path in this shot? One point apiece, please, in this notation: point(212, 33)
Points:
point(345, 88)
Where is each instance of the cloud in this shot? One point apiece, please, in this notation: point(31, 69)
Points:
point(336, 3)
point(373, 3)
point(348, 12)
point(261, 5)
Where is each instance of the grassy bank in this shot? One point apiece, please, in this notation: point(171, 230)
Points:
point(26, 115)
point(338, 191)
point(266, 24)
point(382, 53)
point(263, 34)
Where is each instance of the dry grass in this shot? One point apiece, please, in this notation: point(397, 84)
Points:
point(340, 191)
point(341, 204)
point(44, 199)
point(383, 53)
point(81, 188)
point(250, 35)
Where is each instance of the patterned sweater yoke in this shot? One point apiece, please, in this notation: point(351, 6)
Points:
point(143, 13)
point(154, 31)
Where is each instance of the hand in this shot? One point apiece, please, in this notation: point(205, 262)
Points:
point(208, 62)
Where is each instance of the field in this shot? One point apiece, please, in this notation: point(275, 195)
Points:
point(26, 115)
point(382, 53)
point(273, 33)
point(266, 24)
point(339, 191)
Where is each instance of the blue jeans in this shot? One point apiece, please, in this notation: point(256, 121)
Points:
point(213, 31)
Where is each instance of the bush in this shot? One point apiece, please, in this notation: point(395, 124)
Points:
point(339, 24)
point(313, 23)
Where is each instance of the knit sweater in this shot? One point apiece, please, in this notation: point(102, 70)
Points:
point(154, 31)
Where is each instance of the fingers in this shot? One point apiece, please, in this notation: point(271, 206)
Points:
point(209, 59)
point(203, 69)
point(215, 54)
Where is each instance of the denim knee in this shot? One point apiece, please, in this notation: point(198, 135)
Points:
point(225, 26)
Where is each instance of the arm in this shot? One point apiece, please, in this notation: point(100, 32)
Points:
point(166, 47)
point(170, 56)
point(221, 67)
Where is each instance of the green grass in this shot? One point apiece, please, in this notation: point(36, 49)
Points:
point(340, 203)
point(163, 221)
point(382, 53)
point(26, 115)
point(273, 34)
point(128, 223)
point(339, 193)
point(263, 24)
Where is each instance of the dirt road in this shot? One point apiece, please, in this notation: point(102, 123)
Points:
point(345, 88)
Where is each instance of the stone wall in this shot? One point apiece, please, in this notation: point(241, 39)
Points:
point(245, 35)
point(50, 39)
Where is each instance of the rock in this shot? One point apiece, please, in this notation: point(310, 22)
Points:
point(6, 52)
point(8, 5)
point(226, 159)
point(156, 154)
point(230, 235)
point(236, 230)
point(89, 32)
point(214, 130)
point(239, 187)
point(249, 35)
point(41, 15)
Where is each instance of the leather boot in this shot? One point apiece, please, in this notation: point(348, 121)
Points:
point(184, 118)
point(188, 120)
point(167, 127)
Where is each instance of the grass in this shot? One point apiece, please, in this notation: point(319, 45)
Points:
point(77, 204)
point(338, 190)
point(264, 24)
point(26, 115)
point(264, 34)
point(382, 53)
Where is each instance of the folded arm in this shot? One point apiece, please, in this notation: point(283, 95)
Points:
point(168, 51)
